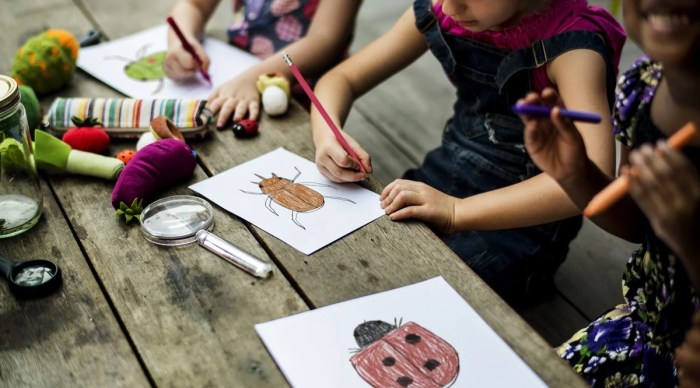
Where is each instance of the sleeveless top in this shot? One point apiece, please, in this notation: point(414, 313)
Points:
point(267, 26)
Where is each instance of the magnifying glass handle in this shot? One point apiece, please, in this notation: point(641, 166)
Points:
point(233, 254)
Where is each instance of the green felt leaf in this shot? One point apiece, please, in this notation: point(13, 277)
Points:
point(87, 122)
point(49, 151)
point(130, 212)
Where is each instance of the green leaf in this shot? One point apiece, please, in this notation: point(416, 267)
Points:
point(87, 122)
point(130, 212)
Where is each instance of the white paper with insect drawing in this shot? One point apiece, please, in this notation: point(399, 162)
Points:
point(422, 335)
point(285, 195)
point(133, 65)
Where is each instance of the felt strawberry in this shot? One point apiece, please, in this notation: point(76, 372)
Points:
point(86, 136)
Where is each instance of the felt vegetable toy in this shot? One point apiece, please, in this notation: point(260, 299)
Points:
point(126, 156)
point(245, 128)
point(31, 107)
point(12, 156)
point(46, 62)
point(161, 128)
point(50, 152)
point(275, 91)
point(156, 167)
point(145, 139)
point(86, 136)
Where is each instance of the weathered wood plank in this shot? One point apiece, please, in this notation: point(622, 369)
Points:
point(591, 276)
point(61, 339)
point(189, 313)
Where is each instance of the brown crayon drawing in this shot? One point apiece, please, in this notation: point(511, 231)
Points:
point(297, 197)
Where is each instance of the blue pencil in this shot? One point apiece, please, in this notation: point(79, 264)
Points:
point(545, 111)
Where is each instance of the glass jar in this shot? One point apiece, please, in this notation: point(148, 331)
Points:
point(21, 201)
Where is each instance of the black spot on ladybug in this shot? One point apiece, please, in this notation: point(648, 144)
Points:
point(245, 128)
point(404, 381)
point(412, 338)
point(389, 361)
point(431, 364)
point(368, 332)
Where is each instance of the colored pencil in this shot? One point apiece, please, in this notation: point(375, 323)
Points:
point(545, 112)
point(188, 47)
point(322, 111)
point(619, 187)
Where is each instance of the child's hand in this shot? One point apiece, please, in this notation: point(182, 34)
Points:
point(666, 186)
point(334, 162)
point(688, 356)
point(234, 99)
point(180, 65)
point(409, 199)
point(554, 144)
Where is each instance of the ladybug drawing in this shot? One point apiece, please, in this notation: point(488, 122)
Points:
point(297, 197)
point(145, 68)
point(407, 355)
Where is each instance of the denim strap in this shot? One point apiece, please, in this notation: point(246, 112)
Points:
point(542, 51)
point(429, 26)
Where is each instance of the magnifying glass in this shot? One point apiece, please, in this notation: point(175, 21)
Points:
point(185, 219)
point(29, 279)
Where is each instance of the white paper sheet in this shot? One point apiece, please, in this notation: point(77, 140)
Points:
point(313, 349)
point(345, 207)
point(107, 62)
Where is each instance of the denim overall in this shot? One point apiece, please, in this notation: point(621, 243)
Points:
point(482, 150)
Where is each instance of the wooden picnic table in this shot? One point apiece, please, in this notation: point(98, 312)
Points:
point(136, 314)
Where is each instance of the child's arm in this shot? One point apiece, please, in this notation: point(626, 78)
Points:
point(337, 90)
point(580, 76)
point(323, 45)
point(557, 148)
point(191, 16)
point(666, 186)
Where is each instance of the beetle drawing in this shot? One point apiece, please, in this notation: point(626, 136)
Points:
point(145, 67)
point(407, 355)
point(297, 197)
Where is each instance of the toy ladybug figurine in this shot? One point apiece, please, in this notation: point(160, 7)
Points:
point(403, 356)
point(245, 128)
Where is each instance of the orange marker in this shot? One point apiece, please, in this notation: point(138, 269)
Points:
point(619, 187)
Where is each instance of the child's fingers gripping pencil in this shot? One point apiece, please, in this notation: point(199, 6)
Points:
point(188, 47)
point(322, 111)
point(619, 187)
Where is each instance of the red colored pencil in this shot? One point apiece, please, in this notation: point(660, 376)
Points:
point(188, 47)
point(322, 111)
point(618, 188)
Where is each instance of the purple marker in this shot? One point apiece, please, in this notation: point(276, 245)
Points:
point(545, 111)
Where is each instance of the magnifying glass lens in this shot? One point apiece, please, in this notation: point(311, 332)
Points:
point(175, 220)
point(31, 276)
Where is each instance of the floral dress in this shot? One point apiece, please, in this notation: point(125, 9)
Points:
point(267, 26)
point(634, 343)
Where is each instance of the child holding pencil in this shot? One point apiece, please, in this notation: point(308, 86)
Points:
point(635, 343)
point(317, 33)
point(479, 189)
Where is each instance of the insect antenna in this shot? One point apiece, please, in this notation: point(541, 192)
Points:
point(261, 177)
point(354, 350)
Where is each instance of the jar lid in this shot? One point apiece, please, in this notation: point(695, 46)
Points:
point(9, 92)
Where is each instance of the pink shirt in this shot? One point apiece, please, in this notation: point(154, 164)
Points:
point(559, 17)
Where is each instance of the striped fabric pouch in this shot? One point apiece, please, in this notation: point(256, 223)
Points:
point(129, 118)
